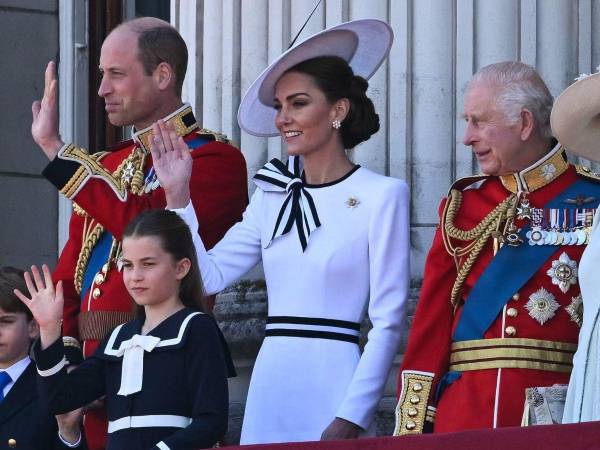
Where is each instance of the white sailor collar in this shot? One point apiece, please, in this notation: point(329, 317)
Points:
point(171, 334)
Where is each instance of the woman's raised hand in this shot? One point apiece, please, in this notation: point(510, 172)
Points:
point(173, 164)
point(45, 303)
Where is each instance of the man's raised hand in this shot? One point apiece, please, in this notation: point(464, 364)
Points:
point(44, 127)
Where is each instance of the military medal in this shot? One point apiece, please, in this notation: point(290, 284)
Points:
point(563, 272)
point(581, 237)
point(535, 235)
point(575, 310)
point(542, 306)
point(524, 211)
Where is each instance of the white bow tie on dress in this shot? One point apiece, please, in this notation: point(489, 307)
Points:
point(298, 207)
point(132, 369)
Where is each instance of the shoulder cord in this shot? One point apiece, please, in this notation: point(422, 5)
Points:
point(479, 236)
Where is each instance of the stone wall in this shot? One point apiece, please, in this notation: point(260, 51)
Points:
point(28, 233)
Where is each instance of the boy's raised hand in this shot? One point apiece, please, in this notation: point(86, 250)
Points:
point(46, 303)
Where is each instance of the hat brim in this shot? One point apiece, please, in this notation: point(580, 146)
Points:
point(575, 118)
point(364, 44)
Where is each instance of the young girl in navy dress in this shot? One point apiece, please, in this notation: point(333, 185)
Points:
point(164, 374)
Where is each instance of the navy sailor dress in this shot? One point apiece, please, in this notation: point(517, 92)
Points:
point(164, 390)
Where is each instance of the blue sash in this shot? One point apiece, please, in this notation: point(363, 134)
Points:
point(98, 257)
point(198, 141)
point(508, 271)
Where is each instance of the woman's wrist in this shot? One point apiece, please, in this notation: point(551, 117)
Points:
point(178, 198)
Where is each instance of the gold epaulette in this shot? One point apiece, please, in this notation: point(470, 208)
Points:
point(78, 210)
point(463, 183)
point(587, 173)
point(218, 137)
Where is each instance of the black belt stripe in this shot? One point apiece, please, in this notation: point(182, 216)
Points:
point(313, 334)
point(314, 321)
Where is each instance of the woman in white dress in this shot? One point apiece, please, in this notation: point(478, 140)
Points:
point(333, 240)
point(575, 123)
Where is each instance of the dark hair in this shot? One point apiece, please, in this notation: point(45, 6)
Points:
point(176, 239)
point(163, 44)
point(12, 278)
point(336, 79)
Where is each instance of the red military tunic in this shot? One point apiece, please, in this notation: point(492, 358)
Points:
point(524, 347)
point(109, 189)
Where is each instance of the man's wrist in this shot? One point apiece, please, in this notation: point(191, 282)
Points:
point(52, 148)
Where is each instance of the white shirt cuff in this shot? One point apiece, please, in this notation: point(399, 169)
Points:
point(68, 444)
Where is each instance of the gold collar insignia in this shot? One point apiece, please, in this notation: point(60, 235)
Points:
point(183, 119)
point(539, 174)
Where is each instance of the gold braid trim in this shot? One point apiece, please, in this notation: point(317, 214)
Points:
point(412, 410)
point(479, 236)
point(90, 238)
point(79, 210)
point(129, 176)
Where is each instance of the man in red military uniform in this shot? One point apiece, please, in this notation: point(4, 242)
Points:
point(500, 306)
point(143, 64)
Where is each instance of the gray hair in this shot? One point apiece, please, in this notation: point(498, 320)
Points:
point(519, 87)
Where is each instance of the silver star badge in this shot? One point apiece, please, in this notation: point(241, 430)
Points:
point(128, 173)
point(563, 272)
point(575, 310)
point(542, 305)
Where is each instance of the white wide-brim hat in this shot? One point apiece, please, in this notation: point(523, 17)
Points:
point(364, 44)
point(575, 118)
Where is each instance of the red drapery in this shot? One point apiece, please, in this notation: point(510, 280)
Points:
point(582, 436)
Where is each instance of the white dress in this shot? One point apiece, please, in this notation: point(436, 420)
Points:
point(583, 394)
point(357, 259)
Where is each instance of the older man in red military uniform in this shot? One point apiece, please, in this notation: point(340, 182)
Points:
point(143, 63)
point(499, 309)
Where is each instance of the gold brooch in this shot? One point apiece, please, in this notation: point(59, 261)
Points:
point(352, 202)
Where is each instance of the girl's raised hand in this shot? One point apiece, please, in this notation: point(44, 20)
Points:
point(46, 302)
point(172, 162)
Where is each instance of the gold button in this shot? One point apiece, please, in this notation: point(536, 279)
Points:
point(105, 268)
point(417, 387)
point(512, 312)
point(12, 443)
point(99, 278)
point(516, 296)
point(412, 412)
point(511, 331)
point(411, 425)
point(96, 293)
point(415, 399)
